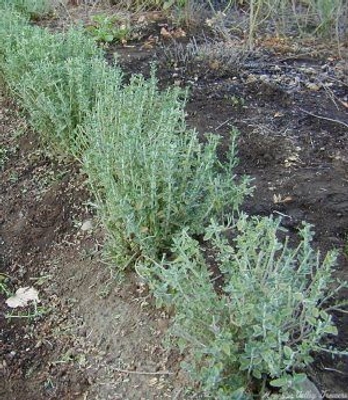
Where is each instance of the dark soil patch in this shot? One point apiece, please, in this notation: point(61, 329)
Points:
point(291, 111)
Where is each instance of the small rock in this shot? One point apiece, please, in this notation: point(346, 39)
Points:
point(87, 225)
point(312, 86)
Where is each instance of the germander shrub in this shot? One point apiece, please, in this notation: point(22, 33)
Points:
point(11, 24)
point(30, 8)
point(55, 78)
point(24, 46)
point(150, 174)
point(266, 317)
point(66, 97)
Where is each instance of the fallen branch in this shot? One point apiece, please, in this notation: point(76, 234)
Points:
point(335, 370)
point(127, 371)
point(325, 118)
point(224, 123)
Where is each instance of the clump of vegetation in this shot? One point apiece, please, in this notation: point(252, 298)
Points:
point(108, 29)
point(55, 82)
point(32, 8)
point(264, 320)
point(66, 98)
point(280, 18)
point(150, 174)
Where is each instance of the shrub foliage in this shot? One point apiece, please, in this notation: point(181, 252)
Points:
point(265, 318)
point(151, 174)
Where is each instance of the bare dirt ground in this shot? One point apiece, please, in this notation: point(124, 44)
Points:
point(96, 338)
point(90, 330)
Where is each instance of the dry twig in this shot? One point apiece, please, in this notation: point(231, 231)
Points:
point(325, 118)
point(127, 371)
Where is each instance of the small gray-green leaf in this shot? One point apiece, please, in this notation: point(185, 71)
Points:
point(280, 382)
point(287, 351)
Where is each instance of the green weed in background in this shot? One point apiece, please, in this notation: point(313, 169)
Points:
point(108, 29)
point(265, 319)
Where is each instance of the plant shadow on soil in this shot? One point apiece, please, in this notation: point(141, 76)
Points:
point(292, 115)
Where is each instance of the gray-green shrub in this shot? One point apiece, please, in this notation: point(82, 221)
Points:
point(150, 174)
point(66, 96)
point(30, 8)
point(24, 46)
point(266, 318)
point(11, 23)
point(54, 77)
